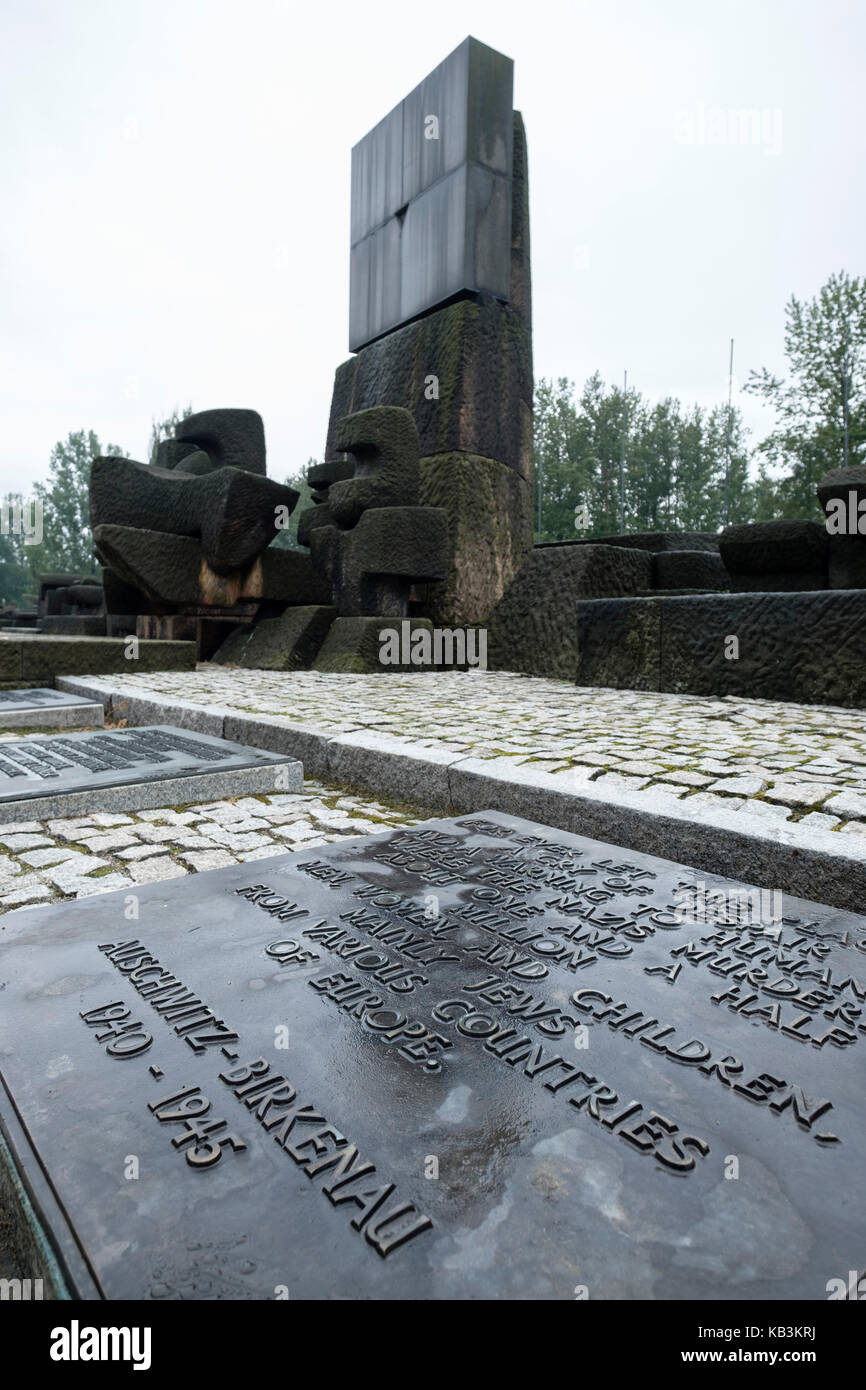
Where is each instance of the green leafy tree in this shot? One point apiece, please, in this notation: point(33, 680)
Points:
point(764, 495)
point(820, 406)
point(287, 537)
point(562, 463)
point(675, 460)
point(164, 429)
point(67, 542)
point(17, 581)
point(711, 504)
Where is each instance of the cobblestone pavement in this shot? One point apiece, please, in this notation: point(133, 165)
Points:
point(791, 763)
point(44, 861)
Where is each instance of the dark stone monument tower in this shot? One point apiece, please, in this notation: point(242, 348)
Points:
point(440, 318)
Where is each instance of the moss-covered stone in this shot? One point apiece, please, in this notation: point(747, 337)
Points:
point(534, 627)
point(619, 642)
point(489, 510)
point(801, 646)
point(290, 642)
point(173, 570)
point(771, 556)
point(690, 569)
point(43, 658)
point(481, 356)
point(354, 644)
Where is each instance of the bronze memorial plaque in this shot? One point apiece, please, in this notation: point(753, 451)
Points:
point(478, 1058)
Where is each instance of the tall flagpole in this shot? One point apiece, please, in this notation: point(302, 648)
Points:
point(728, 432)
point(622, 456)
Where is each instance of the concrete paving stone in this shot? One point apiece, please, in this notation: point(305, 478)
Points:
point(249, 805)
point(673, 790)
point(767, 811)
point(192, 839)
point(203, 860)
point(156, 834)
point(70, 827)
point(265, 852)
point(298, 833)
point(817, 820)
point(247, 824)
point(107, 883)
point(142, 852)
point(848, 804)
point(99, 844)
point(615, 781)
point(154, 870)
point(800, 793)
point(225, 814)
point(25, 893)
point(17, 843)
point(104, 818)
point(229, 840)
point(708, 801)
point(282, 815)
point(23, 827)
point(167, 816)
point(739, 786)
point(687, 779)
point(56, 854)
point(73, 869)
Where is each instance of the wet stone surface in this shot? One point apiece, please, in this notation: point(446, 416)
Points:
point(471, 1058)
point(38, 699)
point(51, 770)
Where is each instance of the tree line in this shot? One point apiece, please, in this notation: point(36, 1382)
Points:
point(66, 544)
point(609, 460)
point(683, 467)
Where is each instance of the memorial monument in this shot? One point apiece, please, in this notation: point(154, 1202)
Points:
point(422, 508)
point(185, 541)
point(440, 316)
point(475, 1059)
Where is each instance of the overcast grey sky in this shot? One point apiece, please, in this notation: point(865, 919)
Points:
point(174, 180)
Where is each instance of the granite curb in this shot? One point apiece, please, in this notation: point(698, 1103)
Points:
point(731, 843)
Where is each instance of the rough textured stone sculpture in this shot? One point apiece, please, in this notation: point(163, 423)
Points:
point(71, 605)
point(290, 642)
point(534, 626)
point(378, 541)
point(775, 556)
point(657, 541)
point(689, 569)
point(230, 438)
point(320, 477)
point(463, 368)
point(382, 446)
point(232, 511)
point(172, 571)
point(55, 595)
point(808, 646)
point(841, 493)
point(186, 539)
